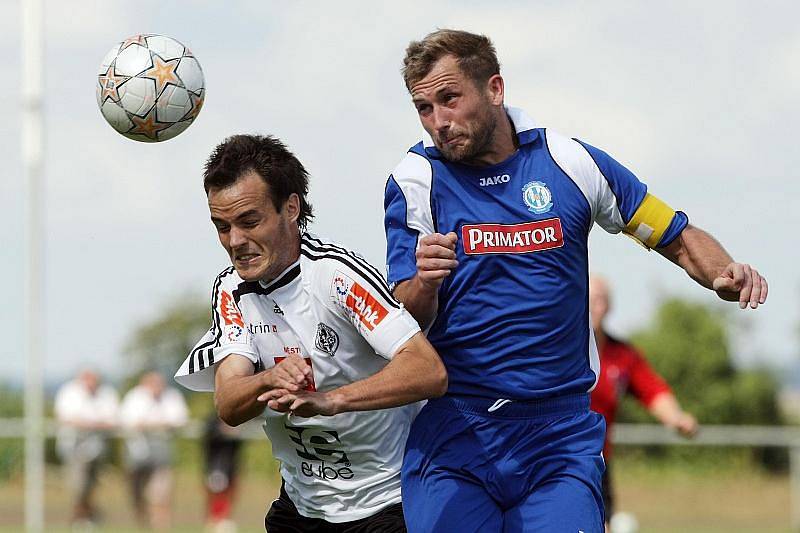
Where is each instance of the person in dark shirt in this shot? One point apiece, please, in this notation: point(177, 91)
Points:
point(222, 447)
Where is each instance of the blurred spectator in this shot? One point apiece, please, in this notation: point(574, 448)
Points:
point(221, 446)
point(150, 414)
point(85, 410)
point(624, 370)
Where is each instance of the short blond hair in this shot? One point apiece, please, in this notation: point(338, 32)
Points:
point(475, 54)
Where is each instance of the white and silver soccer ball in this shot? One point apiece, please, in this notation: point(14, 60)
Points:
point(150, 88)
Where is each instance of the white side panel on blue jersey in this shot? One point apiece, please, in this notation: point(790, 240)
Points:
point(581, 168)
point(413, 175)
point(594, 355)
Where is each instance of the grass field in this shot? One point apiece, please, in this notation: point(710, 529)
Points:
point(674, 499)
point(664, 498)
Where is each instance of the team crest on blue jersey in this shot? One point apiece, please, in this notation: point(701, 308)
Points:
point(537, 197)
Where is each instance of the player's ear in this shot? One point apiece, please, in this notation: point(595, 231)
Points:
point(495, 88)
point(291, 207)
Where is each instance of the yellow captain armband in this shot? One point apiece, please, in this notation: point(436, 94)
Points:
point(650, 221)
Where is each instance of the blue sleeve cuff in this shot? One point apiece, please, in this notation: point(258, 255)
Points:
point(678, 224)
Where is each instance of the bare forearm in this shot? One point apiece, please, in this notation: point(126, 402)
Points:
point(665, 409)
point(415, 373)
point(236, 399)
point(419, 299)
point(699, 254)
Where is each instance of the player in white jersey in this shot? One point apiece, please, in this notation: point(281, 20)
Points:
point(303, 327)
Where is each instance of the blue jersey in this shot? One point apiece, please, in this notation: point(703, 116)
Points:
point(513, 317)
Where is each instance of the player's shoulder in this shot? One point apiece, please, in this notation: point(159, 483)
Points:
point(327, 263)
point(414, 166)
point(323, 256)
point(565, 149)
point(227, 279)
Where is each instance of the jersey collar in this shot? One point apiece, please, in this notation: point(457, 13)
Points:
point(524, 126)
point(283, 279)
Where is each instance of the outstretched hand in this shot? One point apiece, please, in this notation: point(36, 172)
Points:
point(741, 282)
point(686, 425)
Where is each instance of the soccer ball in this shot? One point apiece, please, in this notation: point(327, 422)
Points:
point(150, 88)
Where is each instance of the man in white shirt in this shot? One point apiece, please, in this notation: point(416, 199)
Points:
point(86, 410)
point(306, 328)
point(150, 414)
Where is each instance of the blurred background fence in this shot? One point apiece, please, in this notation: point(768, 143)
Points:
point(710, 483)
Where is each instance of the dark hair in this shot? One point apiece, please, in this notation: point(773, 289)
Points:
point(475, 53)
point(270, 159)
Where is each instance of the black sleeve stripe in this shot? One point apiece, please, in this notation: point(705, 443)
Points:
point(214, 327)
point(328, 247)
point(381, 288)
point(210, 357)
point(360, 260)
point(376, 280)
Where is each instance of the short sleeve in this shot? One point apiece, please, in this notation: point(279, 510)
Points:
point(620, 192)
point(408, 215)
point(355, 291)
point(618, 200)
point(228, 334)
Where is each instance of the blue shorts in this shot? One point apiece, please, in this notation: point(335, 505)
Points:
point(524, 466)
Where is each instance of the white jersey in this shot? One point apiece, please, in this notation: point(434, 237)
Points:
point(335, 310)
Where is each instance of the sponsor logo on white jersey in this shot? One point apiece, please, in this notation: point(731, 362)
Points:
point(233, 332)
point(357, 301)
point(495, 180)
point(321, 453)
point(512, 238)
point(227, 308)
point(262, 328)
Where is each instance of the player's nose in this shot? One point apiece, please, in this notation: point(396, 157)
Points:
point(237, 238)
point(441, 120)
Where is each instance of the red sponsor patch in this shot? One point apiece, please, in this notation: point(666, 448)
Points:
point(369, 310)
point(312, 386)
point(512, 238)
point(230, 313)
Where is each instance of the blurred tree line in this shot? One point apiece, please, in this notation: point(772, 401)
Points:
point(688, 343)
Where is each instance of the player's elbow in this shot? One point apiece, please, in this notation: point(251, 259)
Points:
point(227, 413)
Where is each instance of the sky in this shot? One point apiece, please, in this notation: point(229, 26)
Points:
point(699, 100)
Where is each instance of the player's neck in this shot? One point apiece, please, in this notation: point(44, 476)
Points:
point(290, 258)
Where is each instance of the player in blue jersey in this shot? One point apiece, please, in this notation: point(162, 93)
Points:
point(487, 222)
